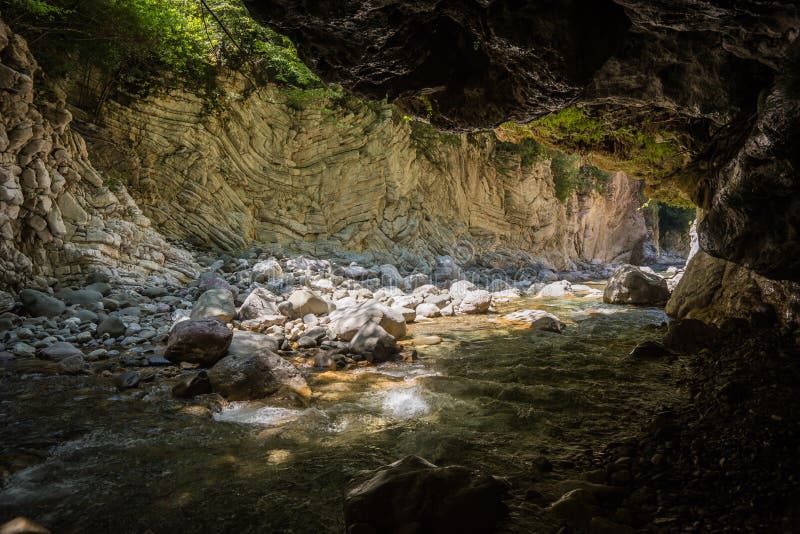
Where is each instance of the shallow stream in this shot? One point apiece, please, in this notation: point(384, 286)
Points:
point(80, 456)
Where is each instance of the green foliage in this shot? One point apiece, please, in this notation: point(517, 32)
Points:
point(134, 42)
point(565, 174)
point(675, 218)
point(299, 99)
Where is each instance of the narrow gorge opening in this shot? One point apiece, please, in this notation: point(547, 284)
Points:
point(430, 266)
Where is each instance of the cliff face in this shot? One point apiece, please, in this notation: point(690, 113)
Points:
point(350, 177)
point(57, 217)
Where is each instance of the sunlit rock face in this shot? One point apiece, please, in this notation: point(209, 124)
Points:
point(356, 178)
point(478, 63)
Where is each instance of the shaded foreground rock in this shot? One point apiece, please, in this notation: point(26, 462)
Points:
point(202, 341)
point(634, 285)
point(255, 376)
point(414, 495)
point(374, 343)
point(36, 303)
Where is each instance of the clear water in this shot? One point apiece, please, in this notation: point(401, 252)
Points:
point(78, 456)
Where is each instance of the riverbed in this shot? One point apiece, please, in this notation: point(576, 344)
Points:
point(80, 456)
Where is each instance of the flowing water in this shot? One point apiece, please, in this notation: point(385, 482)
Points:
point(80, 456)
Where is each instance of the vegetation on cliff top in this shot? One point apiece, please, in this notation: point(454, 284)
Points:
point(648, 150)
point(134, 43)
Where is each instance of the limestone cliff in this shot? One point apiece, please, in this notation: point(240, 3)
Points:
point(350, 176)
point(57, 217)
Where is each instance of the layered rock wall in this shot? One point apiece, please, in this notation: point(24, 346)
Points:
point(57, 216)
point(350, 176)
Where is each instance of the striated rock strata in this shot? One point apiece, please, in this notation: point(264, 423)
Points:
point(354, 177)
point(58, 218)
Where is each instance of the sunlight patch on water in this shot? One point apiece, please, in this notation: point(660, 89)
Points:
point(246, 413)
point(405, 403)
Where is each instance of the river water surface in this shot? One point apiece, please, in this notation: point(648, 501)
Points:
point(79, 456)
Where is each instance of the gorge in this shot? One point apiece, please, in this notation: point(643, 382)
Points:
point(449, 285)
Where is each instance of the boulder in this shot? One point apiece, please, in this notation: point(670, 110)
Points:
point(215, 303)
point(459, 290)
point(477, 301)
point(112, 326)
point(255, 375)
point(414, 495)
point(263, 323)
point(346, 322)
point(651, 350)
point(59, 351)
point(6, 301)
point(555, 289)
point(446, 269)
point(390, 276)
point(266, 270)
point(196, 384)
point(36, 303)
point(245, 343)
point(202, 341)
point(633, 285)
point(413, 281)
point(427, 309)
point(537, 319)
point(356, 272)
point(303, 301)
point(212, 280)
point(690, 335)
point(258, 303)
point(374, 343)
point(73, 365)
point(408, 314)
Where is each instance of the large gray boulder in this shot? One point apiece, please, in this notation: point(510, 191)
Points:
point(634, 285)
point(255, 376)
point(347, 321)
point(258, 303)
point(374, 343)
point(36, 303)
point(201, 341)
point(215, 303)
point(302, 302)
point(414, 495)
point(82, 297)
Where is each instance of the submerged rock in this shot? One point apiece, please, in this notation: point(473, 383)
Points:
point(414, 495)
point(634, 285)
point(538, 320)
point(59, 351)
point(201, 341)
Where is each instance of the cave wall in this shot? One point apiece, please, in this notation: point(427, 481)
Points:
point(349, 177)
point(58, 219)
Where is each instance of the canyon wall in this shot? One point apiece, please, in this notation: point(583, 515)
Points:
point(349, 176)
point(57, 217)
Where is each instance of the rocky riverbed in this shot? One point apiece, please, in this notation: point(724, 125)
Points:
point(297, 372)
